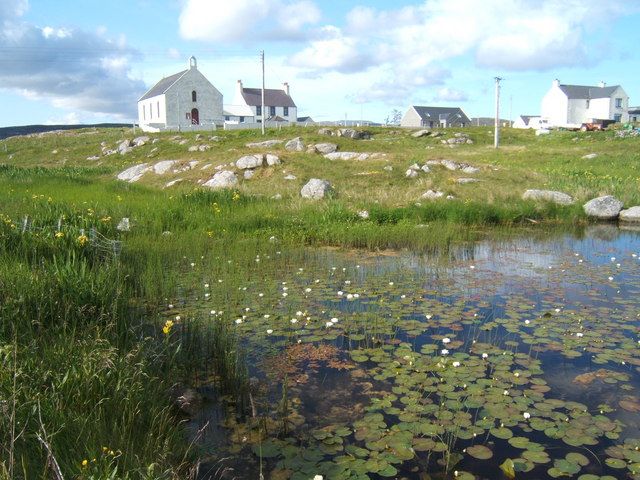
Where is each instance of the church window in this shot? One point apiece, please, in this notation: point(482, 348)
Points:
point(193, 96)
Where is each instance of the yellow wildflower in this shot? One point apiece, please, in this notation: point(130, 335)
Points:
point(82, 239)
point(210, 233)
point(85, 462)
point(105, 219)
point(167, 327)
point(236, 196)
point(59, 234)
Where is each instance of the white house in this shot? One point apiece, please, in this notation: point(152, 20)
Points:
point(530, 121)
point(634, 114)
point(573, 105)
point(247, 105)
point(433, 117)
point(185, 100)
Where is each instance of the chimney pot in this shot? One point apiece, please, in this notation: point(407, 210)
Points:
point(602, 84)
point(286, 87)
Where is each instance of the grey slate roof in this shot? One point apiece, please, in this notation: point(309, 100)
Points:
point(634, 110)
point(587, 92)
point(272, 97)
point(162, 86)
point(441, 113)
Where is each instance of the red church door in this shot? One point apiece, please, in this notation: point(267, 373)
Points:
point(195, 117)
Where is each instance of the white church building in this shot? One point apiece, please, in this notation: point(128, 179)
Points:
point(183, 101)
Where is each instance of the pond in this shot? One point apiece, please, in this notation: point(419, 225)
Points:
point(510, 359)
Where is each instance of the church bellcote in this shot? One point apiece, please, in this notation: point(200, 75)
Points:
point(193, 63)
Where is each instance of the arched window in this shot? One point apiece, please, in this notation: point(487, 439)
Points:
point(193, 96)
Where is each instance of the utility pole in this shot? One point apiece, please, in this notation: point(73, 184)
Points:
point(496, 134)
point(263, 116)
point(510, 111)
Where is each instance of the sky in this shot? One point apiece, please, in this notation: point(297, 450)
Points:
point(88, 61)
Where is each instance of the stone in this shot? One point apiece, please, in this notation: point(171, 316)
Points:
point(411, 173)
point(354, 134)
point(290, 177)
point(604, 208)
point(124, 147)
point(325, 148)
point(450, 164)
point(193, 148)
point(163, 166)
point(421, 133)
point(140, 141)
point(250, 161)
point(249, 174)
point(204, 148)
point(630, 215)
point(198, 137)
point(124, 225)
point(183, 142)
point(559, 198)
point(135, 173)
point(415, 167)
point(470, 170)
point(433, 163)
point(589, 156)
point(294, 145)
point(265, 144)
point(93, 158)
point(316, 189)
point(425, 168)
point(272, 159)
point(353, 156)
point(464, 181)
point(364, 214)
point(222, 179)
point(432, 195)
point(325, 131)
point(388, 168)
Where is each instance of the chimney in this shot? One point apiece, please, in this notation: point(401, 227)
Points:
point(556, 83)
point(240, 86)
point(286, 88)
point(602, 84)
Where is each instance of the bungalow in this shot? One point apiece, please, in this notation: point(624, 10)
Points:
point(530, 121)
point(247, 105)
point(573, 105)
point(432, 117)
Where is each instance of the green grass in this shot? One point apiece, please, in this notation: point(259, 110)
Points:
point(84, 363)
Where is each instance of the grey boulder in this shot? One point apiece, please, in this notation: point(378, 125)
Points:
point(135, 173)
point(630, 214)
point(325, 148)
point(552, 196)
point(249, 161)
point(421, 133)
point(222, 179)
point(272, 159)
point(316, 189)
point(294, 145)
point(605, 208)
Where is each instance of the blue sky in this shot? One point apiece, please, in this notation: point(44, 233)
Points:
point(88, 61)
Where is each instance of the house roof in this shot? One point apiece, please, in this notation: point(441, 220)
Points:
point(441, 113)
point(527, 118)
point(272, 97)
point(587, 92)
point(305, 119)
point(163, 85)
point(634, 110)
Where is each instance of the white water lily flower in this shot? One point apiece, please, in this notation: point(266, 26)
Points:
point(334, 320)
point(340, 293)
point(391, 283)
point(328, 324)
point(484, 355)
point(349, 296)
point(444, 351)
point(294, 320)
point(456, 364)
point(579, 334)
point(428, 316)
point(298, 313)
point(307, 289)
point(527, 322)
point(284, 289)
point(269, 331)
point(206, 295)
point(206, 285)
point(356, 295)
point(261, 294)
point(506, 392)
point(178, 317)
point(284, 294)
point(611, 279)
point(446, 340)
point(347, 282)
point(212, 312)
point(266, 315)
point(472, 267)
point(526, 415)
point(238, 321)
point(318, 477)
point(516, 374)
point(171, 305)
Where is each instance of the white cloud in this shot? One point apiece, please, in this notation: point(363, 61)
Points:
point(12, 8)
point(246, 20)
point(72, 69)
point(447, 94)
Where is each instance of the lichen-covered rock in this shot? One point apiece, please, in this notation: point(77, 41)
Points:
point(325, 148)
point(421, 133)
point(222, 179)
point(432, 195)
point(250, 161)
point(163, 166)
point(272, 159)
point(140, 141)
point(135, 173)
point(605, 208)
point(559, 198)
point(316, 189)
point(630, 214)
point(411, 173)
point(265, 144)
point(294, 145)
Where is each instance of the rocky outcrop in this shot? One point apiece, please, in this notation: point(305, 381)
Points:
point(603, 208)
point(272, 159)
point(295, 145)
point(163, 166)
point(421, 133)
point(265, 144)
point(324, 148)
point(432, 195)
point(222, 179)
point(250, 161)
point(630, 215)
point(316, 189)
point(552, 196)
point(135, 173)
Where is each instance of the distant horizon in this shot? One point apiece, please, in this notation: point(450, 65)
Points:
point(65, 65)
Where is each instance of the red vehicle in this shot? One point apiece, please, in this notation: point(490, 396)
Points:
point(596, 125)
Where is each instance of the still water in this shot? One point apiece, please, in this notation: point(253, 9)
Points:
point(516, 358)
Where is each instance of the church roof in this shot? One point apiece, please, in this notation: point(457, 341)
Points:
point(272, 97)
point(163, 85)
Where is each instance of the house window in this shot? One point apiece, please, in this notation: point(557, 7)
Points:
point(241, 119)
point(226, 118)
point(193, 96)
point(617, 117)
point(286, 111)
point(259, 110)
point(272, 111)
point(618, 103)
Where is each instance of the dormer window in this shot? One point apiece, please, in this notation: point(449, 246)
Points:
point(194, 96)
